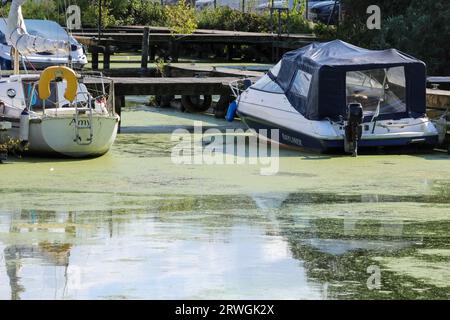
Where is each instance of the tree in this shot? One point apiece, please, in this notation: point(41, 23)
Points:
point(417, 27)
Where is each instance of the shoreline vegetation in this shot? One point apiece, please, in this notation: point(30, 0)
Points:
point(411, 26)
point(8, 147)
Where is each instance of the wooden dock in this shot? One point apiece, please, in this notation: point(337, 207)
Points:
point(188, 86)
point(150, 40)
point(438, 99)
point(134, 35)
point(196, 70)
point(171, 86)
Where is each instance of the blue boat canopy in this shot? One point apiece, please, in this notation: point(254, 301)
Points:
point(320, 79)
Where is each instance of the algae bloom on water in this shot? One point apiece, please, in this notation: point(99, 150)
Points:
point(132, 223)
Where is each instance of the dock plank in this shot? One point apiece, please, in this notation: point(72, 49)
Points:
point(170, 86)
point(439, 99)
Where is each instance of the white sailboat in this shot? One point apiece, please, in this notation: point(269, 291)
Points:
point(56, 112)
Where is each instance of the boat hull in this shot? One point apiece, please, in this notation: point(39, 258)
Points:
point(56, 136)
point(299, 139)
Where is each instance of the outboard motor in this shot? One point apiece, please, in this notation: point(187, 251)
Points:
point(353, 128)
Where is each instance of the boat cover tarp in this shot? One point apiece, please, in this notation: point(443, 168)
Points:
point(18, 36)
point(328, 64)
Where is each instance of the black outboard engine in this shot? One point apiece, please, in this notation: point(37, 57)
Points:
point(353, 128)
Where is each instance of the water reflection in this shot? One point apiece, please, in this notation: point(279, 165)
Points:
point(51, 255)
point(257, 246)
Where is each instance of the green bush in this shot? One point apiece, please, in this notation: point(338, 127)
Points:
point(138, 12)
point(417, 27)
point(423, 31)
point(44, 9)
point(225, 18)
point(145, 12)
point(181, 18)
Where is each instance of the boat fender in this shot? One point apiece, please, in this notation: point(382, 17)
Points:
point(24, 131)
point(58, 73)
point(231, 113)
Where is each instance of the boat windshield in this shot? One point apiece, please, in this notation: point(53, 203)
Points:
point(379, 91)
point(268, 85)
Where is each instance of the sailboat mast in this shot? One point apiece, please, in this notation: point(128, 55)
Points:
point(16, 61)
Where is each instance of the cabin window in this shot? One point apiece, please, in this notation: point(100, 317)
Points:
point(379, 91)
point(32, 96)
point(268, 85)
point(302, 83)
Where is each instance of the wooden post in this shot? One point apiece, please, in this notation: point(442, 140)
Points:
point(145, 48)
point(230, 52)
point(107, 58)
point(152, 53)
point(95, 53)
point(16, 61)
point(173, 50)
point(119, 104)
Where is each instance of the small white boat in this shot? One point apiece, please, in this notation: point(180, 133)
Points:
point(56, 112)
point(335, 96)
point(84, 127)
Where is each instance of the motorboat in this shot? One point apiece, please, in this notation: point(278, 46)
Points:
point(57, 111)
point(40, 60)
point(334, 96)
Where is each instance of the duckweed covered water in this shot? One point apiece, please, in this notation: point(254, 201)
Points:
point(132, 224)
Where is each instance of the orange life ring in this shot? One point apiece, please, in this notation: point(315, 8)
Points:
point(57, 72)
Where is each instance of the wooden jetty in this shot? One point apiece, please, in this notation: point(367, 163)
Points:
point(151, 39)
point(438, 99)
point(184, 86)
point(195, 70)
point(134, 35)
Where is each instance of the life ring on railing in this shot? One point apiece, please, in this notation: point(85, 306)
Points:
point(58, 73)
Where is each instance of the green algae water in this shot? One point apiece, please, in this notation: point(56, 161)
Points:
point(134, 225)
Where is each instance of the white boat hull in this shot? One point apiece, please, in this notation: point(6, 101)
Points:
point(262, 110)
point(57, 136)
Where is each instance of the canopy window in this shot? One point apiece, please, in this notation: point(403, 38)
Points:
point(379, 91)
point(302, 83)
